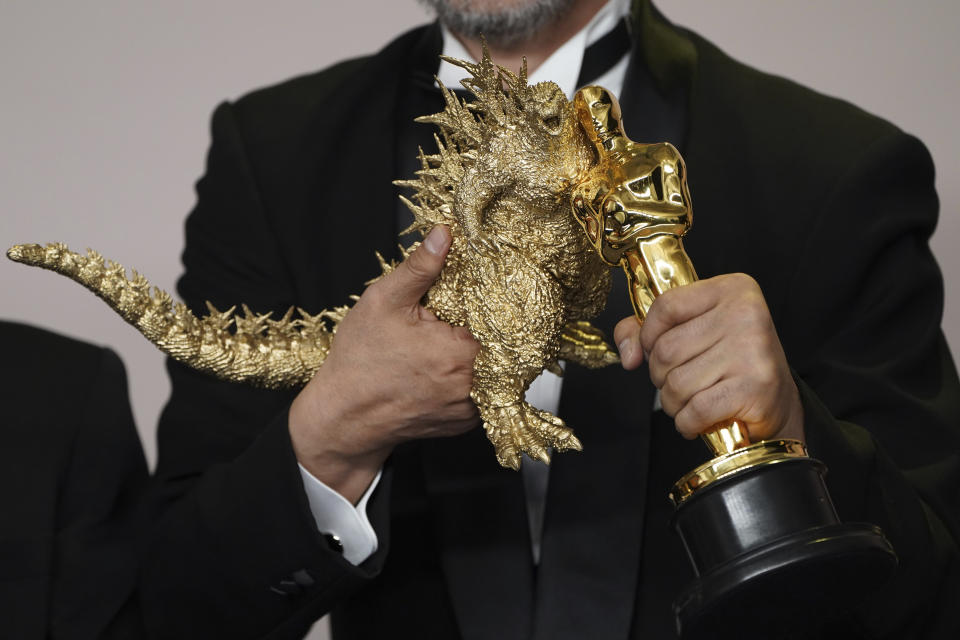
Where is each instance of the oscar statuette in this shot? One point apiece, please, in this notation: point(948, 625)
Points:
point(757, 522)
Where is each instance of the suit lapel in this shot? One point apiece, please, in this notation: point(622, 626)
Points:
point(481, 525)
point(649, 113)
point(357, 217)
point(594, 516)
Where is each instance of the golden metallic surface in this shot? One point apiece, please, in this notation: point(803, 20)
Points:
point(250, 348)
point(727, 439)
point(755, 455)
point(586, 345)
point(519, 272)
point(634, 206)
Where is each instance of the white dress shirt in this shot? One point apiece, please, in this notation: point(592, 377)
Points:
point(331, 511)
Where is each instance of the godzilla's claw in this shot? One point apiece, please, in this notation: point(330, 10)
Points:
point(541, 454)
point(584, 344)
point(520, 428)
point(509, 458)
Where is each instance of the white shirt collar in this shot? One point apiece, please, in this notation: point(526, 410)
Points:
point(563, 65)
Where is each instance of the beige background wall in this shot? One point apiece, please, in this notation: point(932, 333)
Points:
point(105, 104)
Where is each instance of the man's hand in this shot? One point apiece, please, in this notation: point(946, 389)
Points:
point(394, 373)
point(714, 354)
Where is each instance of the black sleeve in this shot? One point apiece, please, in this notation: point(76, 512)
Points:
point(878, 386)
point(236, 552)
point(97, 514)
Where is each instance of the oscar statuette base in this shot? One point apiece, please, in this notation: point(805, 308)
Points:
point(770, 554)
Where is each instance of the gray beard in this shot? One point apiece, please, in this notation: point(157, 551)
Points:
point(501, 27)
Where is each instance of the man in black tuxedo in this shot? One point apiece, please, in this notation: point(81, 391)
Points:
point(832, 337)
point(71, 477)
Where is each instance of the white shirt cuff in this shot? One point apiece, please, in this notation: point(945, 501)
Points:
point(335, 515)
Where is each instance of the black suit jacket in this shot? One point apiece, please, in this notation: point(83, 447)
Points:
point(827, 207)
point(71, 475)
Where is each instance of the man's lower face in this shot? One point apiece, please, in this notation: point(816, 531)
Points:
point(502, 22)
point(492, 6)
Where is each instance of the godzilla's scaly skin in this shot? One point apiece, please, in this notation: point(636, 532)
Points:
point(520, 272)
point(273, 354)
point(519, 268)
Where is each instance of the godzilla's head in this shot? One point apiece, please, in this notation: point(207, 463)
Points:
point(547, 109)
point(549, 130)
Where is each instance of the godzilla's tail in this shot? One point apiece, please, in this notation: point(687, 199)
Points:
point(274, 354)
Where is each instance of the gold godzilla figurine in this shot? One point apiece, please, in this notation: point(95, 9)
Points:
point(520, 273)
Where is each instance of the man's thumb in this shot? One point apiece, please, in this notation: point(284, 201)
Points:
point(411, 279)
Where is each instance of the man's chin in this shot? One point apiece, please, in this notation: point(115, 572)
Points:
point(504, 23)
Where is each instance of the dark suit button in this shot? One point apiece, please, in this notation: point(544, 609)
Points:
point(303, 578)
point(333, 542)
point(287, 588)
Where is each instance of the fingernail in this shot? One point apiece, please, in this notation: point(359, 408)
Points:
point(436, 241)
point(625, 347)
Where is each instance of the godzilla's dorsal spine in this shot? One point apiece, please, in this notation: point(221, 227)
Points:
point(274, 354)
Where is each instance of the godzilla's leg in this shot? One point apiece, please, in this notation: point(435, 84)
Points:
point(521, 428)
point(518, 328)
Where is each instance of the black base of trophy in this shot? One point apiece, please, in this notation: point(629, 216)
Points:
point(771, 555)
